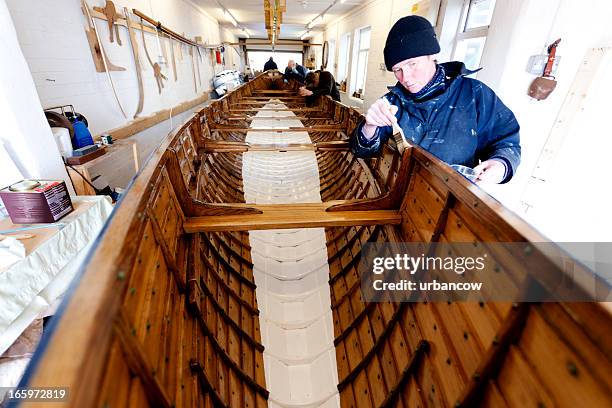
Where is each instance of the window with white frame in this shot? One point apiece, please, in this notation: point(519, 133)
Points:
point(343, 57)
point(331, 57)
point(360, 58)
point(473, 31)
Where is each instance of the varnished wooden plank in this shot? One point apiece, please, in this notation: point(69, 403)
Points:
point(138, 363)
point(291, 216)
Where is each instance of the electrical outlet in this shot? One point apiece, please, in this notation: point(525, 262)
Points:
point(382, 66)
point(536, 64)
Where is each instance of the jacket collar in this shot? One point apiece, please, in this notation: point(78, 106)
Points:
point(452, 70)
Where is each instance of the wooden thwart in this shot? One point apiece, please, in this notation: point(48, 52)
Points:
point(286, 216)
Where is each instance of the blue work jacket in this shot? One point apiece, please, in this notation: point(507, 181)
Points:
point(465, 124)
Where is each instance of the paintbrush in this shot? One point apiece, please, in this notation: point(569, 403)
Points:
point(400, 139)
point(398, 134)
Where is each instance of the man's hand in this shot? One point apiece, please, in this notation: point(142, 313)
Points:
point(490, 171)
point(381, 113)
point(304, 92)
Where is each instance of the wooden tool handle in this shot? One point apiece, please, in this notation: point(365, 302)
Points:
point(400, 139)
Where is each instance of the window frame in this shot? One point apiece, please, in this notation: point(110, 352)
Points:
point(357, 53)
point(347, 55)
point(471, 33)
point(331, 56)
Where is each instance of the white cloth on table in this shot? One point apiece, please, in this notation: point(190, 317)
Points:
point(11, 252)
point(30, 286)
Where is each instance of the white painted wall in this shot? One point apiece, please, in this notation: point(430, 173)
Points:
point(580, 25)
point(53, 41)
point(25, 134)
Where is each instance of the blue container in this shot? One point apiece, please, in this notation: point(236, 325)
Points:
point(82, 136)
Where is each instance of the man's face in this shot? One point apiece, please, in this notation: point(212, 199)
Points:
point(291, 64)
point(415, 73)
point(315, 80)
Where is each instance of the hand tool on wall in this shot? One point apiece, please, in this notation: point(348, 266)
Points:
point(104, 60)
point(111, 17)
point(180, 51)
point(97, 52)
point(134, 45)
point(172, 45)
point(197, 65)
point(195, 83)
point(159, 77)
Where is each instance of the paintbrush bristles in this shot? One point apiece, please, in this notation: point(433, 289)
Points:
point(400, 139)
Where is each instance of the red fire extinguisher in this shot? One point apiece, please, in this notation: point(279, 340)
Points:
point(218, 56)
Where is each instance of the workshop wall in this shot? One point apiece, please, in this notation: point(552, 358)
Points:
point(536, 24)
point(52, 37)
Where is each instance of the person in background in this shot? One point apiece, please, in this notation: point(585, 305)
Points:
point(270, 64)
point(295, 71)
point(319, 83)
point(460, 120)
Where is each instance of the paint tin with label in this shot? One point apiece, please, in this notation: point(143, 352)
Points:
point(36, 201)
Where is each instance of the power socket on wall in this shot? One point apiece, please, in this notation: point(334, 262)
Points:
point(382, 66)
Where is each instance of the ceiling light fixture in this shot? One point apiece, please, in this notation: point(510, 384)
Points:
point(317, 20)
point(230, 18)
point(306, 34)
point(246, 33)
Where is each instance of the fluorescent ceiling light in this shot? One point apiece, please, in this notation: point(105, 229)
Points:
point(246, 33)
point(317, 20)
point(230, 18)
point(306, 34)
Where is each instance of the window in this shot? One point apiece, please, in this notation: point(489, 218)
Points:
point(473, 31)
point(343, 56)
point(331, 59)
point(360, 61)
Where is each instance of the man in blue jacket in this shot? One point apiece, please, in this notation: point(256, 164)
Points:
point(458, 119)
point(295, 71)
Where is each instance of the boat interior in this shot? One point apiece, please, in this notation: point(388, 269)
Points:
point(229, 276)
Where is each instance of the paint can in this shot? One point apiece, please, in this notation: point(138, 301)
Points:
point(36, 201)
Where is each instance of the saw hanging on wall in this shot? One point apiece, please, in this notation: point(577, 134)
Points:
point(543, 85)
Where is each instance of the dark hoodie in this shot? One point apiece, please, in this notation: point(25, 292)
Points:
point(460, 120)
point(326, 86)
point(270, 64)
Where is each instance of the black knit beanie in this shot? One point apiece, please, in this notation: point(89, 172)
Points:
point(411, 36)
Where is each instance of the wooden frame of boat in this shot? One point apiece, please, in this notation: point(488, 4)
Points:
point(164, 313)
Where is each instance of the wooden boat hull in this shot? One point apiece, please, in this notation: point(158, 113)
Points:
point(165, 312)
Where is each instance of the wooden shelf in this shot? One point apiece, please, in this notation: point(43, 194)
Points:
point(112, 165)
